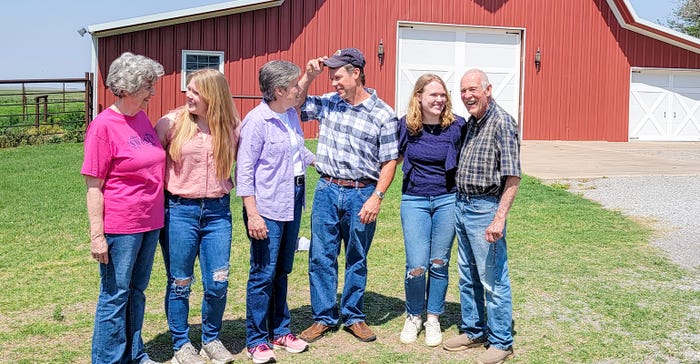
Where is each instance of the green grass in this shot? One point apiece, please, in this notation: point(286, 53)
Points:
point(587, 286)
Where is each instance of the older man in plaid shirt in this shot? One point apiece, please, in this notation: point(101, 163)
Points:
point(356, 157)
point(488, 177)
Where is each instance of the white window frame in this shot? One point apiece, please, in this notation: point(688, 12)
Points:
point(188, 52)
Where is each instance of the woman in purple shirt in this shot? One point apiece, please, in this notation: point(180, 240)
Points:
point(429, 143)
point(272, 161)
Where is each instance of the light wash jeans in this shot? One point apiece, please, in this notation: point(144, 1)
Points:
point(428, 233)
point(196, 227)
point(120, 307)
point(334, 218)
point(484, 286)
point(271, 261)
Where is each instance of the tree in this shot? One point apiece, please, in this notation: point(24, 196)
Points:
point(687, 18)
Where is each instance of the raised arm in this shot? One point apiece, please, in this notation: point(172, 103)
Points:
point(313, 68)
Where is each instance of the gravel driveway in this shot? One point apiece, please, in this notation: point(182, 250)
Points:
point(657, 181)
point(671, 202)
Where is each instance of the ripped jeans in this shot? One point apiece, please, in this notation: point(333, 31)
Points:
point(428, 231)
point(196, 227)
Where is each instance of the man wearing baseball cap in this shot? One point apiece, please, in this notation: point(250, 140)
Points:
point(356, 157)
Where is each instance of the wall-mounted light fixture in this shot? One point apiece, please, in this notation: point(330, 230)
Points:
point(380, 52)
point(538, 59)
point(82, 31)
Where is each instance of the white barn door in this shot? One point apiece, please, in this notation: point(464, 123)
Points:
point(449, 51)
point(664, 105)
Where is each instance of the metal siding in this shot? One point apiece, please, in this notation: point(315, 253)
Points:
point(581, 92)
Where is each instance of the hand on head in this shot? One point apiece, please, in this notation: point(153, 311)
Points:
point(315, 66)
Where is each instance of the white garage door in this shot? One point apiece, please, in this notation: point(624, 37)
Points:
point(664, 105)
point(449, 51)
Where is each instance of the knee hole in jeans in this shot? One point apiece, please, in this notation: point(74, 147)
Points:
point(182, 286)
point(438, 263)
point(415, 272)
point(220, 275)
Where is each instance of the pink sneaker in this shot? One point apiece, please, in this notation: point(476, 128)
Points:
point(261, 354)
point(291, 343)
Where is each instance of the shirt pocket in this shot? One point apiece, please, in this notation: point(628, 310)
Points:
point(276, 146)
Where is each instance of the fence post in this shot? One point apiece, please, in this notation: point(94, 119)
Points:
point(88, 98)
point(46, 110)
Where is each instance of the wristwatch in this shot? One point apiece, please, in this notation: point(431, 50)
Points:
point(379, 194)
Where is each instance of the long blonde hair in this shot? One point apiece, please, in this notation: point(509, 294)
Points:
point(414, 116)
point(222, 117)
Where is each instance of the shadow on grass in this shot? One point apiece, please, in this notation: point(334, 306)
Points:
point(379, 308)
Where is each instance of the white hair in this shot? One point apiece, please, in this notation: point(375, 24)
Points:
point(130, 72)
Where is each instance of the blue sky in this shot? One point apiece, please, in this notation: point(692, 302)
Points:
point(40, 38)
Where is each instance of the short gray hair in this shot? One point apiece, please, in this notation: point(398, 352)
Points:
point(482, 76)
point(348, 67)
point(130, 72)
point(276, 74)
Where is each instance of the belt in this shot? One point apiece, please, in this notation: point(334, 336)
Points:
point(299, 180)
point(360, 183)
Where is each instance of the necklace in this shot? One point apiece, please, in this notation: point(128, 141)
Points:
point(431, 128)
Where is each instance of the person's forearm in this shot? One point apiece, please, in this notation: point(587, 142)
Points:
point(95, 209)
point(386, 176)
point(508, 196)
point(251, 207)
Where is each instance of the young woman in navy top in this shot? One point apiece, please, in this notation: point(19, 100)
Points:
point(429, 142)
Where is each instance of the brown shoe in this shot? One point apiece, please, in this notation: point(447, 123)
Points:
point(362, 331)
point(314, 332)
point(463, 342)
point(494, 355)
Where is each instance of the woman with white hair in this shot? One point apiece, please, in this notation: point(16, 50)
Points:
point(123, 167)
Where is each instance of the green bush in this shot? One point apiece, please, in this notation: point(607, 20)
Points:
point(44, 134)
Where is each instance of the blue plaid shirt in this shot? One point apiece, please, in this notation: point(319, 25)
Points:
point(353, 141)
point(490, 153)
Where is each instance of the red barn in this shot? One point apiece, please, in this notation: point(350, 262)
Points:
point(567, 70)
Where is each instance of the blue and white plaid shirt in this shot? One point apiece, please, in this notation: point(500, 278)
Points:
point(490, 153)
point(353, 141)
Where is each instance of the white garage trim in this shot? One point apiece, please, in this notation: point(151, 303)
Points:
point(664, 104)
point(449, 50)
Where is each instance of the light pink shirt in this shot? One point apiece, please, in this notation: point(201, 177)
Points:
point(194, 176)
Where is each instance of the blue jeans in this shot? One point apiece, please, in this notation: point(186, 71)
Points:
point(121, 304)
point(428, 233)
point(196, 227)
point(483, 273)
point(271, 260)
point(334, 218)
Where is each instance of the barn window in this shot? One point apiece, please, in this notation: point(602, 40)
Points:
point(197, 60)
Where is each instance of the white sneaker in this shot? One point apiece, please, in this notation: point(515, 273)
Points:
point(411, 328)
point(433, 333)
point(216, 352)
point(187, 355)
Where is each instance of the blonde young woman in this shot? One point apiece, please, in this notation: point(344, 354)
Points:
point(430, 138)
point(201, 140)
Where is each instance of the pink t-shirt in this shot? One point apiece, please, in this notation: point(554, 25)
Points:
point(125, 152)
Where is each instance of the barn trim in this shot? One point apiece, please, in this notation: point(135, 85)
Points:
point(628, 19)
point(179, 16)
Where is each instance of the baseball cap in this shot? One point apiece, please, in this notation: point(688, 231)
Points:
point(345, 56)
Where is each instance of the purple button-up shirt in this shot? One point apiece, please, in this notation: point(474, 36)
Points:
point(265, 164)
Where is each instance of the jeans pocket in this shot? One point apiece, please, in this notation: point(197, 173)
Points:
point(484, 205)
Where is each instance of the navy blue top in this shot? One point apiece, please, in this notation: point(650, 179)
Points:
point(430, 158)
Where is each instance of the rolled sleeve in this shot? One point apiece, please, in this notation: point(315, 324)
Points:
point(510, 148)
point(249, 150)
